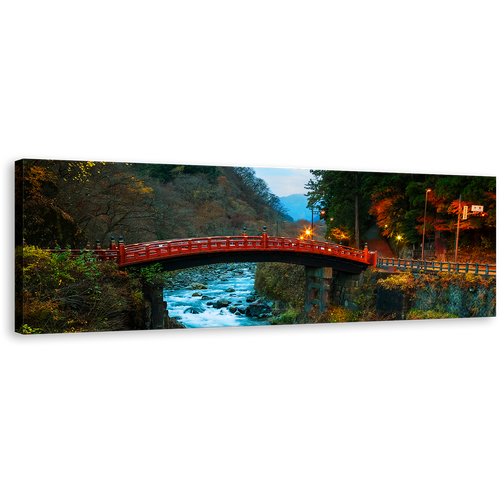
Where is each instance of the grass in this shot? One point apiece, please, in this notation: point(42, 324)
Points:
point(434, 314)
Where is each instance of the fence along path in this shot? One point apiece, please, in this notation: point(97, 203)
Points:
point(439, 267)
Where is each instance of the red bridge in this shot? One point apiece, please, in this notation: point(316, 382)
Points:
point(180, 254)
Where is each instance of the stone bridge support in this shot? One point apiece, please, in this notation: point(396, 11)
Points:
point(318, 280)
point(158, 318)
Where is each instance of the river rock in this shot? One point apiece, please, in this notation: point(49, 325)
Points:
point(206, 297)
point(194, 310)
point(197, 286)
point(251, 298)
point(232, 309)
point(255, 309)
point(242, 310)
point(228, 290)
point(196, 294)
point(222, 303)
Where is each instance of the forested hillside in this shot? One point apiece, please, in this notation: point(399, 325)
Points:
point(75, 203)
point(354, 201)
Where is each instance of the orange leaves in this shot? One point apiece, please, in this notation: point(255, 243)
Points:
point(383, 209)
point(35, 177)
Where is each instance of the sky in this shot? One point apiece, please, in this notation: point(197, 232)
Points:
point(285, 181)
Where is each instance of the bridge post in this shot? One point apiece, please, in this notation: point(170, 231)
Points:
point(98, 250)
point(121, 251)
point(112, 244)
point(318, 281)
point(264, 237)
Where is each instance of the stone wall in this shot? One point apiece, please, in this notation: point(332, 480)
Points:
point(155, 314)
point(349, 290)
point(360, 292)
point(465, 302)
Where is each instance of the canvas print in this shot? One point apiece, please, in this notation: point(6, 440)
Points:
point(105, 246)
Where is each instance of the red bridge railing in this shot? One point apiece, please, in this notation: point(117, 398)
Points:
point(127, 255)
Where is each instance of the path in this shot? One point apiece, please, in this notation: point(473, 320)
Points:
point(377, 242)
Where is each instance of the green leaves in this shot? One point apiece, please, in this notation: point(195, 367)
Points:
point(153, 275)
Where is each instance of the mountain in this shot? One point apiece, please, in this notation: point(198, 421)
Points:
point(296, 204)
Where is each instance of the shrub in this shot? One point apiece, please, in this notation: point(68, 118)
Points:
point(56, 293)
point(404, 282)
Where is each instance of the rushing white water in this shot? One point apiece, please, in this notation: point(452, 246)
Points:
point(178, 301)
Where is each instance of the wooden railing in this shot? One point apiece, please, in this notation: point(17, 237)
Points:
point(127, 255)
point(157, 250)
point(438, 267)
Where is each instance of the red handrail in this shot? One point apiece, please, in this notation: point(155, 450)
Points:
point(163, 249)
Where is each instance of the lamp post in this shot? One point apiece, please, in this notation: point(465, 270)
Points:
point(425, 214)
point(278, 226)
point(321, 212)
point(458, 226)
point(398, 237)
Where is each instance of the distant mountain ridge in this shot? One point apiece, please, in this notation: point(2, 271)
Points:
point(296, 204)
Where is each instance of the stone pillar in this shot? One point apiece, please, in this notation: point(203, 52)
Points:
point(318, 281)
point(158, 306)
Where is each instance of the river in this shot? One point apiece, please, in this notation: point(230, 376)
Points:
point(231, 282)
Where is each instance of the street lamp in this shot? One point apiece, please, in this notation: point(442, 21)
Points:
point(278, 226)
point(425, 213)
point(398, 237)
point(321, 212)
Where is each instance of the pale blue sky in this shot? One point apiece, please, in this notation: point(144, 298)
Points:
point(284, 181)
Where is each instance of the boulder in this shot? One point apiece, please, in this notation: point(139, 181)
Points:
point(196, 294)
point(232, 309)
point(194, 310)
point(197, 286)
point(228, 290)
point(222, 303)
point(206, 297)
point(255, 309)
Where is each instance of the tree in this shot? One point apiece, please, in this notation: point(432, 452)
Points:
point(40, 220)
point(105, 198)
point(343, 198)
